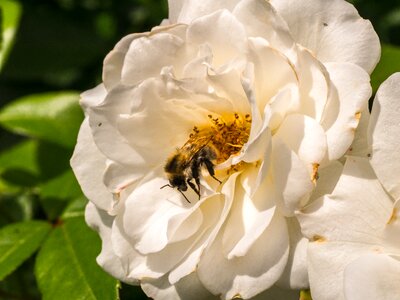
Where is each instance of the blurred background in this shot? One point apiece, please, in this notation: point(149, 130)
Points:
point(51, 50)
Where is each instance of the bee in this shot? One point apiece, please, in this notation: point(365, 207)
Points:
point(185, 166)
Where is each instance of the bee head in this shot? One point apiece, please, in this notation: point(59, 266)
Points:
point(178, 182)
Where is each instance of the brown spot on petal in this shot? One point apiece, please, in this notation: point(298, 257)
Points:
point(358, 115)
point(393, 217)
point(237, 296)
point(318, 238)
point(314, 174)
point(377, 250)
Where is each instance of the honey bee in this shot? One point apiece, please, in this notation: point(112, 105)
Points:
point(185, 166)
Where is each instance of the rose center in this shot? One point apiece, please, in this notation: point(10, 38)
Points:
point(225, 136)
point(207, 146)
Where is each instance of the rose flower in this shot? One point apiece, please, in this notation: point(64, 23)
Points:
point(356, 229)
point(210, 131)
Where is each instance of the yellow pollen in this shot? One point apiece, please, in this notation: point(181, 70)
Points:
point(318, 238)
point(314, 175)
point(225, 135)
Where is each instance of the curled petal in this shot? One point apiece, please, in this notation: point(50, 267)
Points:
point(211, 29)
point(100, 221)
point(292, 180)
point(350, 92)
point(333, 30)
point(261, 20)
point(88, 164)
point(383, 133)
point(305, 137)
point(139, 62)
point(249, 275)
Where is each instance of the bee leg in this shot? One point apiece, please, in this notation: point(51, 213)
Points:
point(194, 168)
point(184, 196)
point(197, 179)
point(194, 188)
point(210, 169)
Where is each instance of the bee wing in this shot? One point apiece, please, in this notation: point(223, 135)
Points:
point(191, 149)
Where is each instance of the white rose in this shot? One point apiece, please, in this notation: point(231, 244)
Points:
point(355, 253)
point(264, 94)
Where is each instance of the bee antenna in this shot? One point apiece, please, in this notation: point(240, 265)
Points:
point(166, 186)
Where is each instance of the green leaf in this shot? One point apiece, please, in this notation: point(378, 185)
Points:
point(19, 167)
point(64, 186)
point(75, 209)
point(57, 193)
point(10, 14)
point(54, 117)
point(16, 208)
point(22, 156)
point(17, 243)
point(388, 64)
point(66, 265)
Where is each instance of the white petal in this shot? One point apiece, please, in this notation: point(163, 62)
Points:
point(349, 94)
point(291, 177)
point(169, 123)
point(360, 146)
point(258, 146)
point(313, 84)
point(328, 177)
point(249, 275)
point(372, 276)
point(153, 209)
point(147, 55)
point(117, 177)
point(100, 221)
point(250, 215)
point(286, 101)
point(295, 275)
point(228, 85)
point(272, 72)
point(93, 97)
point(187, 288)
point(326, 264)
point(103, 122)
point(185, 11)
point(333, 30)
point(261, 20)
point(384, 132)
point(131, 260)
point(392, 231)
point(222, 32)
point(182, 258)
point(305, 137)
point(214, 211)
point(114, 61)
point(357, 210)
point(88, 164)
